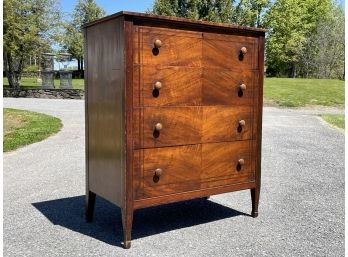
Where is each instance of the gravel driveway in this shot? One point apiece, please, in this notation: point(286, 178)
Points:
point(301, 209)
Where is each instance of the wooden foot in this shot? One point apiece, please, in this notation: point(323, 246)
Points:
point(126, 244)
point(90, 202)
point(127, 221)
point(255, 195)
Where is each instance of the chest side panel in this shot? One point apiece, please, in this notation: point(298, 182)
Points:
point(105, 110)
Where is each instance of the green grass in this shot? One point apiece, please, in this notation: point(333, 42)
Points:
point(32, 83)
point(23, 128)
point(282, 91)
point(301, 92)
point(335, 119)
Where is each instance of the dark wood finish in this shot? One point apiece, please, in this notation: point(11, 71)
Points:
point(90, 203)
point(223, 87)
point(180, 86)
point(105, 109)
point(190, 167)
point(224, 51)
point(173, 111)
point(178, 48)
point(191, 125)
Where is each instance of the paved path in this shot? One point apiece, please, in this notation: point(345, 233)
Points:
point(301, 207)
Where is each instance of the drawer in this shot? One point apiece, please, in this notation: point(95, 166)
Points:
point(225, 51)
point(191, 125)
point(180, 126)
point(226, 87)
point(169, 170)
point(168, 86)
point(177, 47)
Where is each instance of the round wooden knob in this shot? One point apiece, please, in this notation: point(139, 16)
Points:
point(241, 162)
point(242, 123)
point(242, 87)
point(243, 50)
point(158, 85)
point(158, 172)
point(158, 126)
point(158, 43)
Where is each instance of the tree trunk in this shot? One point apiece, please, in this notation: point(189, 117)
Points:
point(78, 64)
point(13, 75)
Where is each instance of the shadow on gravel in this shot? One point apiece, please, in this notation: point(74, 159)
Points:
point(107, 226)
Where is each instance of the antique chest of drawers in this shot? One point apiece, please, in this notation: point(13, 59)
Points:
point(173, 111)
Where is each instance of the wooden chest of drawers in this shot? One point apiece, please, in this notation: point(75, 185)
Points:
point(173, 111)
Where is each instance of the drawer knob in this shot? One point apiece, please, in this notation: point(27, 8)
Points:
point(241, 162)
point(158, 85)
point(158, 172)
point(243, 50)
point(242, 87)
point(242, 123)
point(158, 43)
point(158, 126)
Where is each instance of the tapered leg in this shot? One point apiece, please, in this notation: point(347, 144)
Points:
point(255, 195)
point(127, 221)
point(90, 202)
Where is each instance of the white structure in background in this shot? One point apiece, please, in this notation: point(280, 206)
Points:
point(64, 72)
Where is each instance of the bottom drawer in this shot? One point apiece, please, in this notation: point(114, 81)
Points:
point(169, 170)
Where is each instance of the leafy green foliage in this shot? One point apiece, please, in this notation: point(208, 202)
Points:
point(30, 27)
point(85, 11)
point(290, 23)
point(24, 128)
point(212, 10)
point(249, 12)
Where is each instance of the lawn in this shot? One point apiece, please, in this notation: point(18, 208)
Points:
point(32, 83)
point(282, 91)
point(300, 92)
point(23, 128)
point(335, 119)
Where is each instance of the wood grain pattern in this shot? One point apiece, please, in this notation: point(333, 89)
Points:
point(208, 135)
point(221, 123)
point(191, 125)
point(180, 86)
point(179, 48)
point(192, 167)
point(222, 87)
point(225, 53)
point(105, 80)
point(181, 125)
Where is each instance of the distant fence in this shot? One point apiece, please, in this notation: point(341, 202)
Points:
point(45, 93)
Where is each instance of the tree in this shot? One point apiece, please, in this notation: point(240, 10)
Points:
point(211, 10)
point(323, 54)
point(85, 11)
point(290, 23)
point(29, 29)
point(250, 12)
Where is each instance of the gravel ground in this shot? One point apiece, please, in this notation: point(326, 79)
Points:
point(301, 209)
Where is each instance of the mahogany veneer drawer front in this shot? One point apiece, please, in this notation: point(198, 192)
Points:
point(166, 126)
point(187, 86)
point(168, 170)
point(173, 111)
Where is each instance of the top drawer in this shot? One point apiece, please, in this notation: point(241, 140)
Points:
point(173, 47)
point(230, 51)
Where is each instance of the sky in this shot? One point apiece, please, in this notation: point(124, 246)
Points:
point(112, 6)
